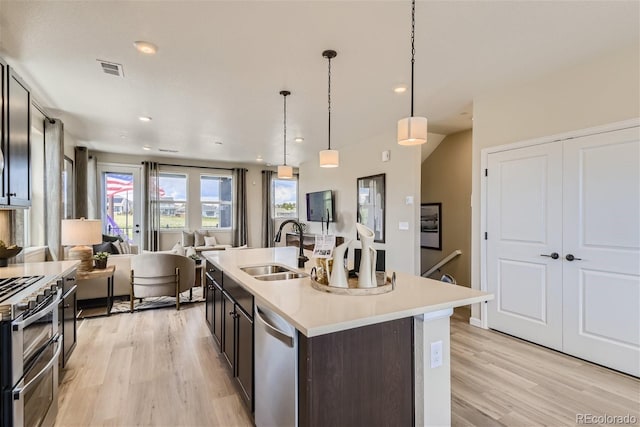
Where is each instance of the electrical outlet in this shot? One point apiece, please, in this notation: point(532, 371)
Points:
point(436, 354)
point(403, 225)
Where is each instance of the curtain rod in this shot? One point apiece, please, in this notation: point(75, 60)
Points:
point(196, 167)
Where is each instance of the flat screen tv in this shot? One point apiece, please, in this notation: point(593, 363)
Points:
point(319, 205)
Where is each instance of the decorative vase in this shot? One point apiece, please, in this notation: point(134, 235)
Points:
point(367, 268)
point(338, 276)
point(100, 264)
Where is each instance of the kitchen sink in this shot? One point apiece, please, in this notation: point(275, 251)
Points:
point(281, 276)
point(260, 270)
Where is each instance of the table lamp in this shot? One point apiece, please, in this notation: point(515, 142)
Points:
point(79, 233)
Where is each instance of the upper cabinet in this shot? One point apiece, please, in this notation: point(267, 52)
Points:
point(16, 139)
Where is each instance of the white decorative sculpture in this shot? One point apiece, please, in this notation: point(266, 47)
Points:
point(338, 276)
point(367, 268)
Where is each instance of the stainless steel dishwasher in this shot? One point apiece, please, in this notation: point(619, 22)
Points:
point(276, 370)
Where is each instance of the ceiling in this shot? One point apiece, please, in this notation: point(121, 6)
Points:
point(220, 66)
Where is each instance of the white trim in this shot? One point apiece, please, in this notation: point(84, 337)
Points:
point(484, 160)
point(625, 124)
point(474, 321)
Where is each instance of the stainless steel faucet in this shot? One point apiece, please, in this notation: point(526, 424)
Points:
point(301, 257)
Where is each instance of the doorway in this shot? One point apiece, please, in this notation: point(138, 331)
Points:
point(121, 201)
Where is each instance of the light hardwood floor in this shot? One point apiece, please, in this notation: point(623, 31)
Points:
point(160, 367)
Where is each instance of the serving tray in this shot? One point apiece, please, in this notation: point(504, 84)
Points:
point(385, 284)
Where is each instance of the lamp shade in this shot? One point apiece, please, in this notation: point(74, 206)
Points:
point(329, 158)
point(285, 172)
point(412, 131)
point(80, 232)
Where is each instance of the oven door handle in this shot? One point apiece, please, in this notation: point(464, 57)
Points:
point(18, 392)
point(18, 326)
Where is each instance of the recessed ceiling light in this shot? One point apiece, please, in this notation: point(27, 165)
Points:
point(299, 139)
point(146, 147)
point(145, 118)
point(259, 159)
point(146, 47)
point(400, 88)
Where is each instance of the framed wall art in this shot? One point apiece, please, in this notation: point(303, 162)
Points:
point(431, 226)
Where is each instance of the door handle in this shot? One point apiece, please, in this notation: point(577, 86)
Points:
point(570, 257)
point(553, 255)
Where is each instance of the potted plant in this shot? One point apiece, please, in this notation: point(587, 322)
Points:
point(196, 258)
point(101, 259)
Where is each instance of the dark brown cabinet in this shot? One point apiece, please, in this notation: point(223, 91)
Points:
point(244, 359)
point(229, 315)
point(229, 330)
point(213, 302)
point(340, 365)
point(16, 139)
point(4, 71)
point(67, 316)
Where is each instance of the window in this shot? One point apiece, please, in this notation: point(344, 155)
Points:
point(216, 201)
point(173, 201)
point(285, 198)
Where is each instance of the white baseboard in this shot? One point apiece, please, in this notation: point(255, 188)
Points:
point(474, 321)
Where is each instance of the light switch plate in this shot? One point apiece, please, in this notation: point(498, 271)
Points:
point(386, 156)
point(408, 200)
point(403, 225)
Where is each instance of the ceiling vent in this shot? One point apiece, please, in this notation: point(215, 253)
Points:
point(167, 150)
point(111, 68)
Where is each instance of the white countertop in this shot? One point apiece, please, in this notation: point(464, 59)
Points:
point(52, 268)
point(316, 313)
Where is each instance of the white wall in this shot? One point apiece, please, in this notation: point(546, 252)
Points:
point(602, 90)
point(254, 194)
point(402, 179)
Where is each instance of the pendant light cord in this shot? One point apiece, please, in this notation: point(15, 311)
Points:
point(285, 130)
point(329, 100)
point(413, 46)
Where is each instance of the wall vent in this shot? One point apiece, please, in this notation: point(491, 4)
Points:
point(111, 68)
point(167, 150)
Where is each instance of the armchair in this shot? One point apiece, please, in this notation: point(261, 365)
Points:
point(156, 274)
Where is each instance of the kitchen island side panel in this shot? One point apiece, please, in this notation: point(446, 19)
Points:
point(358, 377)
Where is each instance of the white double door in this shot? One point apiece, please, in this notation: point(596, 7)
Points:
point(563, 247)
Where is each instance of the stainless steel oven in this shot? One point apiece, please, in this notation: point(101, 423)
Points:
point(30, 362)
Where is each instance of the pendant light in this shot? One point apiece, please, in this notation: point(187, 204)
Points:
point(329, 158)
point(284, 171)
point(412, 130)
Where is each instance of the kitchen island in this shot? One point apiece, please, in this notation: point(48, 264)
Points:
point(360, 357)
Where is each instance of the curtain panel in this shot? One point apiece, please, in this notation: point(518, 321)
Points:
point(268, 232)
point(151, 218)
point(53, 158)
point(240, 231)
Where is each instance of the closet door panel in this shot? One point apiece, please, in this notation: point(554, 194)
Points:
point(601, 231)
point(524, 211)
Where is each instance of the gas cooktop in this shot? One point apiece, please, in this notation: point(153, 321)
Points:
point(13, 285)
point(16, 293)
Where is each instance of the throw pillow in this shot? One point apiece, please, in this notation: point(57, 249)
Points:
point(199, 238)
point(190, 251)
point(178, 249)
point(117, 246)
point(107, 238)
point(105, 247)
point(210, 241)
point(187, 239)
point(125, 248)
